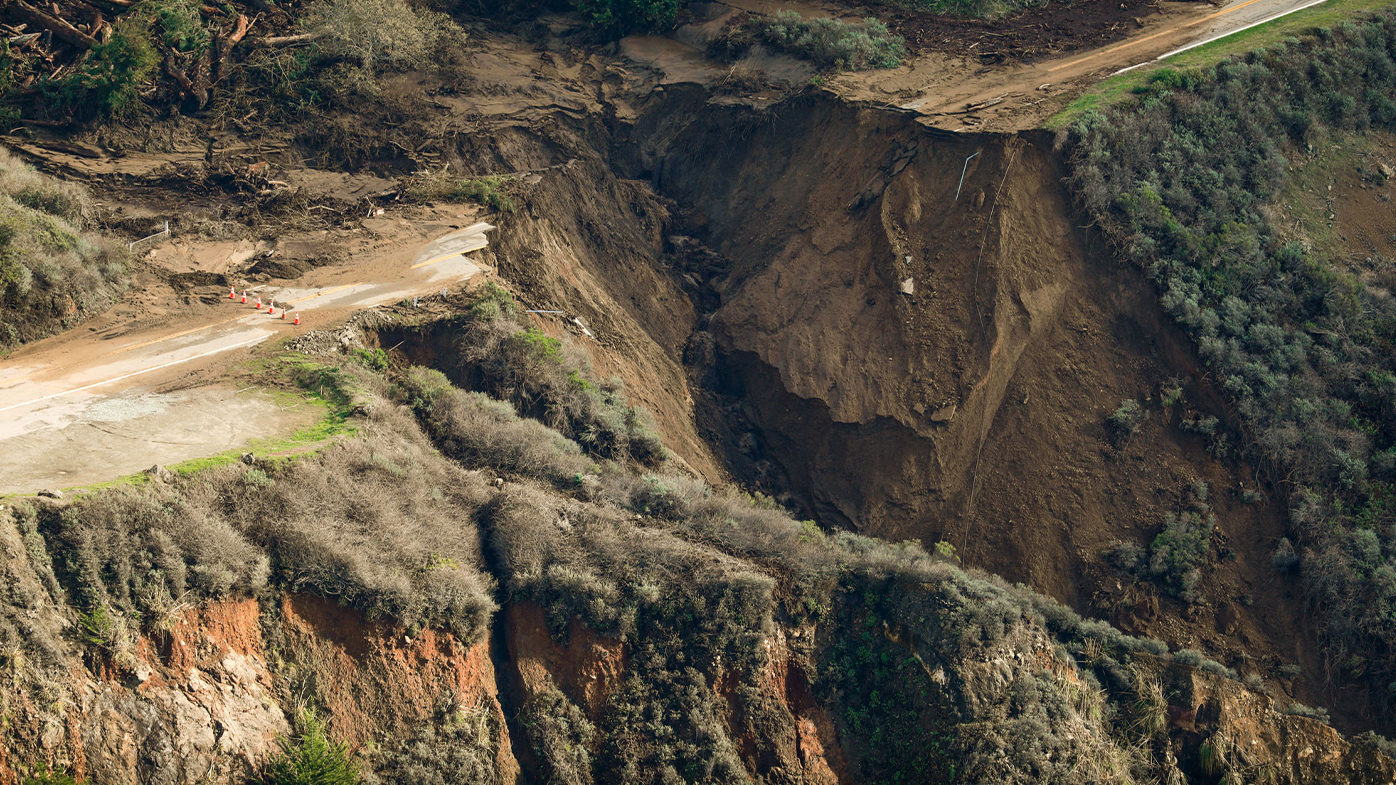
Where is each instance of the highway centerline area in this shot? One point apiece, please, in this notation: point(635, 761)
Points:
point(1137, 41)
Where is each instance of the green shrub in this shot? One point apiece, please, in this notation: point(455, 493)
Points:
point(833, 43)
point(1170, 393)
point(1178, 553)
point(551, 382)
point(108, 79)
point(379, 36)
point(462, 748)
point(440, 186)
point(134, 550)
point(616, 18)
point(181, 25)
point(310, 758)
point(1314, 713)
point(560, 736)
point(54, 270)
point(1125, 421)
point(1285, 558)
point(374, 359)
point(102, 628)
point(46, 776)
point(1183, 181)
point(481, 431)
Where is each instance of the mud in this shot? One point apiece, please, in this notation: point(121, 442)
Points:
point(1045, 31)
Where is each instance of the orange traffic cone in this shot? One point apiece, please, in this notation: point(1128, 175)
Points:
point(283, 315)
point(271, 308)
point(244, 296)
point(298, 318)
point(259, 303)
point(232, 293)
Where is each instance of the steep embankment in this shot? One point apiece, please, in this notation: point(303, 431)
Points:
point(912, 364)
point(462, 593)
point(649, 629)
point(798, 287)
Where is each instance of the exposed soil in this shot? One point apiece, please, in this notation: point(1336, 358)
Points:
point(1339, 198)
point(809, 299)
point(890, 359)
point(1045, 31)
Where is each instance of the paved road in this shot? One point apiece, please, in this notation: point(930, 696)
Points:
point(76, 410)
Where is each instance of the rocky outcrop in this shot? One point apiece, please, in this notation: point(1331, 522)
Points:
point(206, 700)
point(197, 703)
point(1245, 732)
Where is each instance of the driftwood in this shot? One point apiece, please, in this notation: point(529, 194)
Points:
point(195, 86)
point(288, 40)
point(60, 28)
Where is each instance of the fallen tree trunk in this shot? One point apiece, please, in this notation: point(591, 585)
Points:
point(289, 40)
point(195, 86)
point(223, 45)
point(59, 27)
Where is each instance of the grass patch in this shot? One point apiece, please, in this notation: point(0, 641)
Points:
point(1121, 87)
point(442, 186)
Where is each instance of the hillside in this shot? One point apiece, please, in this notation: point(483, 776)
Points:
point(542, 607)
point(768, 433)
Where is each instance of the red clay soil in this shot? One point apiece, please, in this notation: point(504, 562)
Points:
point(587, 669)
point(376, 677)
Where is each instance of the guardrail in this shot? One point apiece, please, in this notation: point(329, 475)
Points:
point(150, 239)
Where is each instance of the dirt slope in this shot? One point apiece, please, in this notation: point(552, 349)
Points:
point(913, 366)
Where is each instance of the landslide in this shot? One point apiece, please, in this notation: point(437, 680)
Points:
point(742, 269)
point(906, 364)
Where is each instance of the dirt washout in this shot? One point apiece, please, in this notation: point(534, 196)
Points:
point(798, 296)
point(910, 364)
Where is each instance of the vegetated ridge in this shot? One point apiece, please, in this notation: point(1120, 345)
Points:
point(1181, 182)
point(54, 269)
point(655, 629)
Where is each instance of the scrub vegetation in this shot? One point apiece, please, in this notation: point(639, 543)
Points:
point(1180, 180)
point(55, 267)
point(692, 580)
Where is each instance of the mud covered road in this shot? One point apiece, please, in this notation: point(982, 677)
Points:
point(83, 408)
point(1015, 95)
